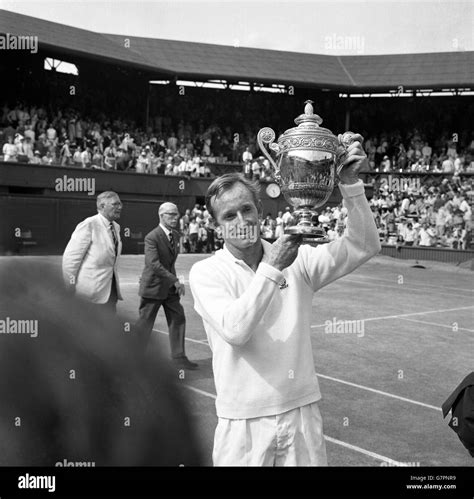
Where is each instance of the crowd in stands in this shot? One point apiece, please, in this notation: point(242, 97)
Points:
point(31, 134)
point(436, 215)
point(430, 213)
point(414, 153)
point(424, 212)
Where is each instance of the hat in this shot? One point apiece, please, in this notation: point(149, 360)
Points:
point(37, 152)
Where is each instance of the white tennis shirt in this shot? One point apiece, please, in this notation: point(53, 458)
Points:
point(259, 334)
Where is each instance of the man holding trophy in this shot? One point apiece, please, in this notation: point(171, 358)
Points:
point(255, 298)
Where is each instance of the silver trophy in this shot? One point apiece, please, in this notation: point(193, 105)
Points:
point(308, 159)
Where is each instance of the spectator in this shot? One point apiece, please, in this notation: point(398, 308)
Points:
point(110, 154)
point(210, 236)
point(29, 133)
point(448, 165)
point(97, 159)
point(386, 164)
point(287, 218)
point(442, 217)
point(426, 151)
point(465, 208)
point(123, 159)
point(279, 225)
point(193, 234)
point(65, 154)
point(48, 159)
point(410, 235)
point(202, 237)
point(142, 163)
point(9, 150)
point(268, 227)
point(52, 135)
point(172, 143)
point(86, 158)
point(247, 155)
point(36, 160)
point(256, 169)
point(426, 236)
point(77, 157)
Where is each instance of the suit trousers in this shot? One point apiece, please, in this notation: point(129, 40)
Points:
point(174, 317)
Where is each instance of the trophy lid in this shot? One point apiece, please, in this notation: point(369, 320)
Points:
point(308, 116)
point(308, 134)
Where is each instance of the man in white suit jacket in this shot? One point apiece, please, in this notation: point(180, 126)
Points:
point(91, 256)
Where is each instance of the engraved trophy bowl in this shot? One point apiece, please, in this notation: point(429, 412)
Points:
point(308, 157)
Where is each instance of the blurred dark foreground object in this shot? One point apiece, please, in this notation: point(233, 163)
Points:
point(461, 403)
point(79, 391)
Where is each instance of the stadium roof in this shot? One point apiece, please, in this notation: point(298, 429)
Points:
point(201, 61)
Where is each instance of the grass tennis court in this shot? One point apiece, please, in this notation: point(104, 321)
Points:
point(383, 383)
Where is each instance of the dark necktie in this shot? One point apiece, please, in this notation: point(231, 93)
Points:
point(172, 242)
point(111, 225)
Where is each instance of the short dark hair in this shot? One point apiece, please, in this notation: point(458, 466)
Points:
point(224, 183)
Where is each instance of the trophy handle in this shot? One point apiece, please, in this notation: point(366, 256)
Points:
point(267, 136)
point(345, 140)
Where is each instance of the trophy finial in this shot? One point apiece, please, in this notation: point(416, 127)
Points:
point(309, 116)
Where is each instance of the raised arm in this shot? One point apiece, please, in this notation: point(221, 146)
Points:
point(329, 262)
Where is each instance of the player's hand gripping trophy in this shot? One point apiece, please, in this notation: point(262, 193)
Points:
point(308, 159)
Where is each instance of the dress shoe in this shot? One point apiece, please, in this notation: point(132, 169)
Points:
point(184, 363)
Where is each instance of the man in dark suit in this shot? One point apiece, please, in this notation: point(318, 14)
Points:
point(160, 286)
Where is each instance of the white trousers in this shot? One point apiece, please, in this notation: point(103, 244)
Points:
point(294, 438)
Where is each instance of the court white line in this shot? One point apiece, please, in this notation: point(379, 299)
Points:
point(398, 316)
point(412, 284)
point(355, 448)
point(379, 392)
point(201, 392)
point(435, 324)
point(202, 342)
point(401, 287)
point(369, 453)
point(338, 380)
